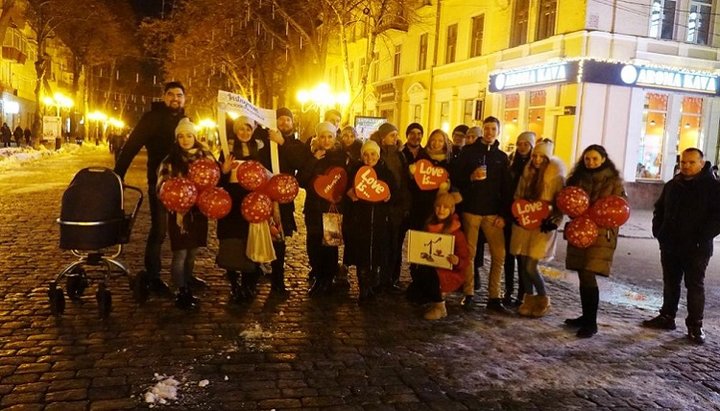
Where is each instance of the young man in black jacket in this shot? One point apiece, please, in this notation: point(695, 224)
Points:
point(156, 132)
point(685, 222)
point(482, 174)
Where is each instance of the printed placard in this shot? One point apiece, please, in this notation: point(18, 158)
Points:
point(430, 249)
point(331, 185)
point(368, 187)
point(530, 214)
point(428, 176)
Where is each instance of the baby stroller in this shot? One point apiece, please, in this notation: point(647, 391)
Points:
point(92, 220)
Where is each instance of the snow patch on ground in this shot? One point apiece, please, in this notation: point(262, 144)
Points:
point(166, 389)
point(255, 338)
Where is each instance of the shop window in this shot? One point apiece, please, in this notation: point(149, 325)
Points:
point(652, 139)
point(547, 10)
point(536, 112)
point(662, 19)
point(690, 123)
point(698, 25)
point(511, 110)
point(518, 35)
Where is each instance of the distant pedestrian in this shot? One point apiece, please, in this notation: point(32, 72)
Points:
point(597, 175)
point(6, 134)
point(28, 136)
point(18, 134)
point(685, 222)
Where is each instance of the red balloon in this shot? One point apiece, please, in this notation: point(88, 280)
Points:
point(252, 175)
point(214, 202)
point(573, 201)
point(256, 207)
point(581, 232)
point(610, 212)
point(282, 188)
point(205, 173)
point(178, 194)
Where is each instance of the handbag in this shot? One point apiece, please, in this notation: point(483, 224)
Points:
point(332, 228)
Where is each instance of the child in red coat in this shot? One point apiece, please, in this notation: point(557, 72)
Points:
point(436, 282)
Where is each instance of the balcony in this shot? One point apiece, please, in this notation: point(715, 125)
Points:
point(14, 46)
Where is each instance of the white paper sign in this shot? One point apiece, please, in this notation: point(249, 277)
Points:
point(431, 249)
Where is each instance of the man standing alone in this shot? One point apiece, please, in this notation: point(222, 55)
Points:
point(685, 221)
point(156, 132)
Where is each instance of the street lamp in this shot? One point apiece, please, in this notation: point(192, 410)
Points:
point(98, 117)
point(321, 97)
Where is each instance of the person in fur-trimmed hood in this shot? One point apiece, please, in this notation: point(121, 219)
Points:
point(542, 179)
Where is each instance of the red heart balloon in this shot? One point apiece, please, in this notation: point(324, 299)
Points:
point(282, 188)
point(205, 173)
point(573, 201)
point(252, 175)
point(368, 187)
point(427, 176)
point(331, 185)
point(530, 214)
point(178, 194)
point(581, 232)
point(214, 202)
point(256, 207)
point(610, 212)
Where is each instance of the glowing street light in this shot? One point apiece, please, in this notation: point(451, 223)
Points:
point(321, 97)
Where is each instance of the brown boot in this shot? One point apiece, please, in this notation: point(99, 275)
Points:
point(527, 305)
point(541, 306)
point(436, 311)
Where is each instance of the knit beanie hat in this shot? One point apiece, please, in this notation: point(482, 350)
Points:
point(545, 148)
point(385, 129)
point(326, 126)
point(242, 120)
point(448, 199)
point(185, 126)
point(414, 126)
point(528, 136)
point(370, 145)
point(462, 128)
point(477, 131)
point(284, 111)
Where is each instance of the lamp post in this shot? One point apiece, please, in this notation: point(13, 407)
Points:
point(59, 101)
point(98, 117)
point(321, 98)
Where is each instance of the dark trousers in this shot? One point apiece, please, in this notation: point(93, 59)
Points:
point(278, 265)
point(323, 259)
point(426, 285)
point(391, 271)
point(156, 236)
point(692, 267)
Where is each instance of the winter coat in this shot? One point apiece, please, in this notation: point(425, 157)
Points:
point(423, 201)
point(598, 257)
point(353, 150)
point(492, 195)
point(451, 280)
point(189, 230)
point(315, 205)
point(156, 132)
point(534, 243)
point(687, 214)
point(367, 240)
point(396, 163)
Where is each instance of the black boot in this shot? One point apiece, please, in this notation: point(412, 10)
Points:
point(579, 321)
point(590, 299)
point(235, 294)
point(185, 300)
point(365, 285)
point(321, 286)
point(249, 284)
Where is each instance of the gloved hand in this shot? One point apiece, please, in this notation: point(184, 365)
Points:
point(547, 226)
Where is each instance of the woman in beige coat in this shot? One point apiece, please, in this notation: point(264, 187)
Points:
point(542, 179)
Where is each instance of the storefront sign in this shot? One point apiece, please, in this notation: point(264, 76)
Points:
point(622, 74)
point(560, 72)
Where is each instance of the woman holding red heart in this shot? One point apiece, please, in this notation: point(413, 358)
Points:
point(324, 178)
point(368, 213)
point(541, 181)
point(597, 175)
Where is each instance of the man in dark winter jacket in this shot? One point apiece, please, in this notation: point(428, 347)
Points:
point(156, 132)
point(482, 174)
point(685, 221)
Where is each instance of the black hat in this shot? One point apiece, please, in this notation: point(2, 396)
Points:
point(414, 126)
point(462, 128)
point(284, 111)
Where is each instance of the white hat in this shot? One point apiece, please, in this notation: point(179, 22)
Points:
point(185, 126)
point(326, 126)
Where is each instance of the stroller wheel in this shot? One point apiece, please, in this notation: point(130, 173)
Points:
point(104, 300)
point(139, 287)
point(57, 299)
point(76, 285)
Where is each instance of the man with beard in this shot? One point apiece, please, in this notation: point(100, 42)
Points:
point(156, 132)
point(413, 135)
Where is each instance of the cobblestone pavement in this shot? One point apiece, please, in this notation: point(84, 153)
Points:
point(302, 353)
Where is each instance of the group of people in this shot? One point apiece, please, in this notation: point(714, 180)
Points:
point(474, 207)
point(20, 135)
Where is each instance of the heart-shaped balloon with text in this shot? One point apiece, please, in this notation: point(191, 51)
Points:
point(368, 187)
point(428, 176)
point(530, 214)
point(331, 185)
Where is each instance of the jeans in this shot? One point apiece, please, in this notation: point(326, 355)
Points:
point(692, 267)
point(183, 263)
point(156, 236)
point(495, 238)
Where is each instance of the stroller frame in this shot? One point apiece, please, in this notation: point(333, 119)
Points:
point(77, 278)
